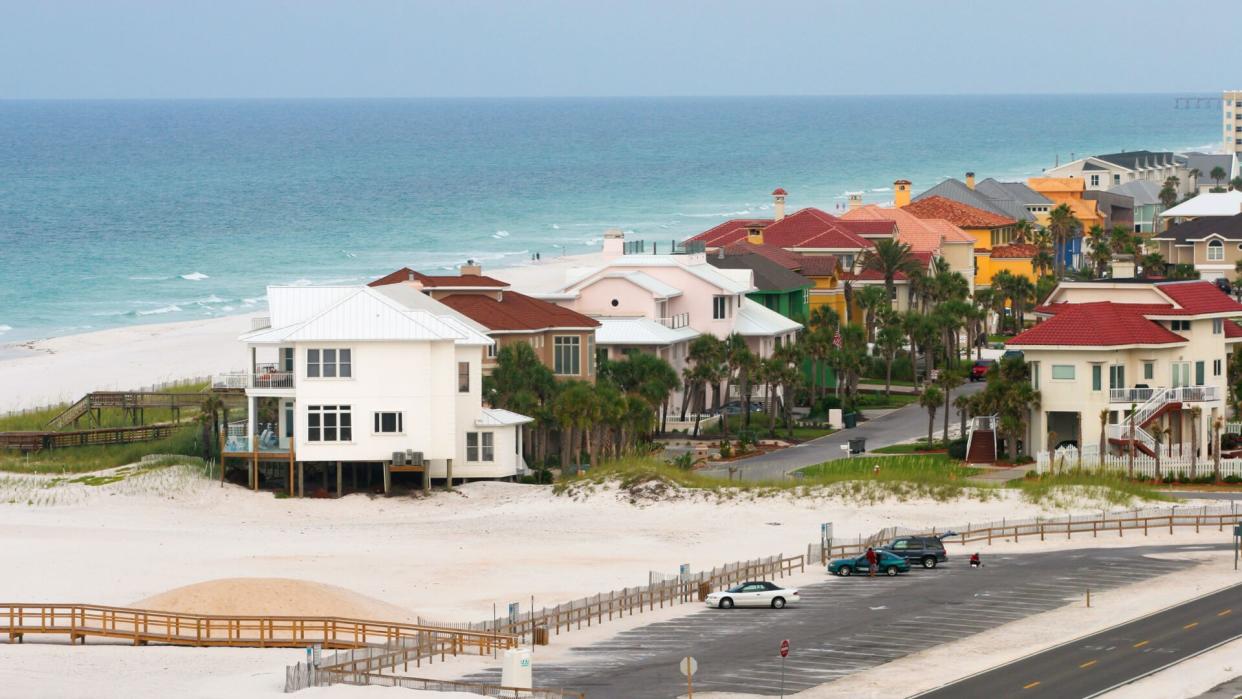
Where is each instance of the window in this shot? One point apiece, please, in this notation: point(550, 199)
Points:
point(720, 305)
point(1181, 374)
point(1095, 180)
point(1199, 368)
point(491, 351)
point(565, 355)
point(1034, 375)
point(1215, 250)
point(1215, 367)
point(1179, 325)
point(1149, 370)
point(1218, 326)
point(288, 419)
point(329, 363)
point(463, 377)
point(1062, 372)
point(480, 446)
point(1096, 377)
point(329, 423)
point(389, 423)
point(1117, 376)
point(1116, 179)
point(286, 359)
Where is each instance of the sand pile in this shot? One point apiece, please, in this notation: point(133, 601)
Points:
point(273, 597)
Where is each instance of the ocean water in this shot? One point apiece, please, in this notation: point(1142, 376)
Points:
point(124, 212)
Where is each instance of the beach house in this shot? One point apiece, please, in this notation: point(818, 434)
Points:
point(1103, 172)
point(563, 339)
point(1212, 244)
point(348, 385)
point(1124, 357)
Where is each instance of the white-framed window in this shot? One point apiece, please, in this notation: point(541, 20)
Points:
point(1149, 370)
point(1179, 325)
point(389, 422)
point(1216, 367)
point(1218, 326)
point(463, 377)
point(566, 355)
point(329, 423)
point(1095, 180)
point(329, 363)
point(720, 307)
point(480, 446)
point(1116, 179)
point(491, 350)
point(286, 358)
point(1062, 372)
point(1215, 250)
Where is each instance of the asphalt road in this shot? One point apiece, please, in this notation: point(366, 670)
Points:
point(844, 625)
point(901, 425)
point(1092, 665)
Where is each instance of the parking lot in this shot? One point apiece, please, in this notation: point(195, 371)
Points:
point(843, 625)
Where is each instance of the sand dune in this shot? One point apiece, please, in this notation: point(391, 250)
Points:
point(273, 597)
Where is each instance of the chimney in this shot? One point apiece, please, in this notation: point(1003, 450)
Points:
point(778, 203)
point(855, 200)
point(901, 193)
point(471, 268)
point(970, 180)
point(614, 243)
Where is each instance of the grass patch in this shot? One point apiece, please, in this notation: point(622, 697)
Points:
point(918, 447)
point(1064, 487)
point(872, 401)
point(880, 380)
point(110, 417)
point(95, 458)
point(759, 425)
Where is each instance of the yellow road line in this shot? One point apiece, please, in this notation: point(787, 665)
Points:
point(1227, 611)
point(1089, 663)
point(1140, 644)
point(1191, 625)
point(1031, 685)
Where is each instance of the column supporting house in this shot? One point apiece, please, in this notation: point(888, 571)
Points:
point(292, 489)
point(301, 479)
point(387, 476)
point(340, 483)
point(448, 482)
point(252, 417)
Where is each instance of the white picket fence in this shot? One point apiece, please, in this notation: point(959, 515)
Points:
point(1180, 462)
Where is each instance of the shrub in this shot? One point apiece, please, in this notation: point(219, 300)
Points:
point(726, 449)
point(957, 449)
point(1230, 441)
point(1232, 479)
point(684, 461)
point(1032, 474)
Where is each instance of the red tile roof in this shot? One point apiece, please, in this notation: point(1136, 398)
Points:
point(1199, 297)
point(813, 228)
point(1014, 251)
point(781, 256)
point(779, 192)
point(730, 231)
point(870, 275)
point(957, 213)
point(1098, 324)
point(922, 235)
point(818, 265)
point(453, 280)
point(516, 312)
point(870, 227)
point(1232, 330)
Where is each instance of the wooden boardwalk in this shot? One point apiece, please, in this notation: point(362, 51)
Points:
point(143, 626)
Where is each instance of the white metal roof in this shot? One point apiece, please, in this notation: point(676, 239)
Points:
point(729, 281)
point(294, 304)
point(499, 417)
point(637, 330)
point(364, 314)
point(657, 288)
point(756, 319)
point(415, 300)
point(1208, 204)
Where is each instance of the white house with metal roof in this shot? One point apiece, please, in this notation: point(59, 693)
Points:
point(366, 382)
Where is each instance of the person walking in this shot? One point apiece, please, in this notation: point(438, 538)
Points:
point(872, 562)
point(974, 560)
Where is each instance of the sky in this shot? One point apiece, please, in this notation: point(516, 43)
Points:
point(480, 48)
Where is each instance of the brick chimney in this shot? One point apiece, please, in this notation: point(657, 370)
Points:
point(854, 199)
point(970, 180)
point(901, 193)
point(778, 203)
point(471, 268)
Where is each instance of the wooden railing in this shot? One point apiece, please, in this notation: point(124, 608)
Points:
point(487, 690)
point(36, 441)
point(78, 621)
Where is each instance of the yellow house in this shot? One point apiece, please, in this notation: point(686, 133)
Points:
point(1067, 190)
point(994, 247)
point(1015, 258)
point(828, 291)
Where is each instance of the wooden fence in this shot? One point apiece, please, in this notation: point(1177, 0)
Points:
point(37, 441)
point(142, 626)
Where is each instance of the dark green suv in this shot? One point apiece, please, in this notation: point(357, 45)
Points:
point(927, 551)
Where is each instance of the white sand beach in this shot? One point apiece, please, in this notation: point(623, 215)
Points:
point(60, 369)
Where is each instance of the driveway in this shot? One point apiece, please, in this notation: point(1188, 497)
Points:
point(901, 425)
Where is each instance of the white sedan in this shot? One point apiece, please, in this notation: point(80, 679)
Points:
point(753, 594)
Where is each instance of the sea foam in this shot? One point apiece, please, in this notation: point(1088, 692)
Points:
point(195, 277)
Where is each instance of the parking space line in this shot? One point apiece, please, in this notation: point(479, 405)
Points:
point(1088, 664)
point(1191, 625)
point(1227, 611)
point(1032, 685)
point(1140, 644)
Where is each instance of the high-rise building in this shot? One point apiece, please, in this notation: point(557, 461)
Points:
point(1232, 107)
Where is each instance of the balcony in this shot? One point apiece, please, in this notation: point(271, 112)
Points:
point(1181, 394)
point(264, 377)
point(260, 322)
point(681, 320)
point(237, 441)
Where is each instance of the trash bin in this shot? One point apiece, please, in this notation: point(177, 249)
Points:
point(704, 590)
point(858, 445)
point(849, 419)
point(541, 635)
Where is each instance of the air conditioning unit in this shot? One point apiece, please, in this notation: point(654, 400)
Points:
point(398, 458)
point(415, 457)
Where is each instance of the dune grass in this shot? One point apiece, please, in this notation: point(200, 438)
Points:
point(110, 417)
point(1064, 487)
point(918, 447)
point(94, 458)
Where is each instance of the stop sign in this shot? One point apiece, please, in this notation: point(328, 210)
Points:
point(785, 648)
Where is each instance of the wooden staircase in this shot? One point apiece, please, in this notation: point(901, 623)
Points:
point(981, 443)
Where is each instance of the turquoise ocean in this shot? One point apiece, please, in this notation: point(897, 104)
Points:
point(124, 212)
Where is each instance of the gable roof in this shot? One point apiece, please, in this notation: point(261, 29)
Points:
point(981, 197)
point(1208, 204)
point(638, 330)
point(754, 319)
point(730, 231)
point(465, 281)
point(813, 228)
point(1135, 159)
point(1185, 233)
point(1144, 192)
point(729, 281)
point(1181, 299)
point(768, 275)
point(1057, 184)
point(923, 236)
point(516, 312)
point(1204, 162)
point(1098, 324)
point(957, 213)
point(1017, 191)
point(1194, 297)
point(819, 265)
point(781, 256)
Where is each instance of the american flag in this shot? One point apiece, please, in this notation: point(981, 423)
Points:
point(836, 338)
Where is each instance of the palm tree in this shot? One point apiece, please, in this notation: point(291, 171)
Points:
point(1022, 231)
point(964, 404)
point(1103, 435)
point(577, 410)
point(888, 342)
point(209, 418)
point(1153, 264)
point(1168, 193)
point(930, 399)
point(871, 299)
point(1101, 250)
point(1217, 174)
point(1062, 225)
point(948, 380)
point(890, 257)
point(1195, 173)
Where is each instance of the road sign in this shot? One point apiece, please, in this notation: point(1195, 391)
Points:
point(513, 612)
point(684, 571)
point(785, 648)
point(1237, 530)
point(688, 666)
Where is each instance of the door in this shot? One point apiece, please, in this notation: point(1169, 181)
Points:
point(1117, 376)
point(755, 596)
point(1181, 374)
